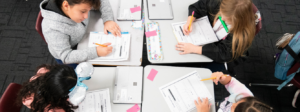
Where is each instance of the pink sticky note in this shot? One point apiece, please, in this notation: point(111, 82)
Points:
point(151, 33)
point(135, 108)
point(152, 74)
point(135, 9)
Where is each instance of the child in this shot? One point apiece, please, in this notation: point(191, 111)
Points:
point(236, 13)
point(48, 90)
point(64, 26)
point(241, 98)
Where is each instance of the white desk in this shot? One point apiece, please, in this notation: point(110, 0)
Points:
point(153, 100)
point(136, 47)
point(168, 40)
point(102, 78)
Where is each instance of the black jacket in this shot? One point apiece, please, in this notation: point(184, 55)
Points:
point(218, 51)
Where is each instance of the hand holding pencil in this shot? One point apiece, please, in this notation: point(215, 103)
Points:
point(219, 77)
point(188, 27)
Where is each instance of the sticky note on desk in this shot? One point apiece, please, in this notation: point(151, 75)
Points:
point(135, 9)
point(152, 74)
point(135, 108)
point(151, 33)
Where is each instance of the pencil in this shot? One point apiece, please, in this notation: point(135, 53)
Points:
point(191, 20)
point(211, 78)
point(101, 45)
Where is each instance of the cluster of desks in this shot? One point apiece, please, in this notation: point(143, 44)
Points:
point(152, 100)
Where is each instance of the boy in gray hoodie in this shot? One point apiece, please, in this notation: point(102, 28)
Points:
point(65, 23)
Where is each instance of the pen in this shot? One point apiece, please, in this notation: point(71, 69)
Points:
point(101, 108)
point(211, 78)
point(181, 31)
point(101, 45)
point(191, 20)
point(172, 94)
point(223, 23)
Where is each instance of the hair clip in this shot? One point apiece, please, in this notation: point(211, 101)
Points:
point(77, 93)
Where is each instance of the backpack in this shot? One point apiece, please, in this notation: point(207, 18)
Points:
point(290, 44)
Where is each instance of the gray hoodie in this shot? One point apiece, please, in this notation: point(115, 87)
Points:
point(62, 34)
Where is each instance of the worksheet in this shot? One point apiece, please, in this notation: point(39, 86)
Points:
point(202, 32)
point(181, 93)
point(121, 45)
point(95, 101)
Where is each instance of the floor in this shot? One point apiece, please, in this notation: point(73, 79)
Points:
point(22, 49)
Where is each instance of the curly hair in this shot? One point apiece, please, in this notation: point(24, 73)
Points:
point(50, 89)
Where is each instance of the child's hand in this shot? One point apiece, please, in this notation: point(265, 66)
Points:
point(219, 77)
point(188, 48)
point(202, 106)
point(103, 51)
point(185, 29)
point(113, 27)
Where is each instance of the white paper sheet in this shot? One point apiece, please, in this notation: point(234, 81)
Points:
point(181, 93)
point(202, 32)
point(95, 101)
point(120, 46)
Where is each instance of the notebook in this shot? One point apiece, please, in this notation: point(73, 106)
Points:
point(202, 32)
point(121, 45)
point(128, 85)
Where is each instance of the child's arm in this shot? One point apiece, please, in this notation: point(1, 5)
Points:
point(199, 7)
point(236, 89)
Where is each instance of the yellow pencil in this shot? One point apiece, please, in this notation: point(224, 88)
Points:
point(211, 78)
point(191, 20)
point(101, 45)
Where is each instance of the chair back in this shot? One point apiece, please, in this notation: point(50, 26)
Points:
point(259, 24)
point(38, 25)
point(9, 97)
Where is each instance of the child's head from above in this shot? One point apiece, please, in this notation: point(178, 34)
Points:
point(236, 10)
point(239, 15)
point(250, 104)
point(77, 10)
point(50, 88)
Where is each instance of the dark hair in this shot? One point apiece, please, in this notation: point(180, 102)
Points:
point(50, 89)
point(252, 104)
point(93, 3)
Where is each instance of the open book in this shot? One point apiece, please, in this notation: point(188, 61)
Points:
point(202, 32)
point(121, 45)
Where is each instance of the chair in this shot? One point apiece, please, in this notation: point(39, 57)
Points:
point(259, 24)
point(8, 99)
point(38, 25)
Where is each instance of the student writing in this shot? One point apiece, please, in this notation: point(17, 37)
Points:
point(64, 26)
point(236, 13)
point(241, 99)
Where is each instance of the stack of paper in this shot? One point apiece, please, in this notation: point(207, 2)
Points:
point(181, 93)
point(95, 101)
point(202, 32)
point(121, 45)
